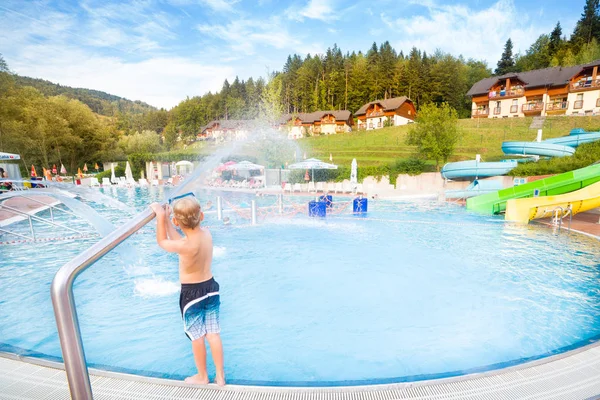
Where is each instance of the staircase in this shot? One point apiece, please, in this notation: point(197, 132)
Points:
point(537, 123)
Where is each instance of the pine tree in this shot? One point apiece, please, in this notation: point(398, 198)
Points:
point(555, 39)
point(507, 62)
point(588, 26)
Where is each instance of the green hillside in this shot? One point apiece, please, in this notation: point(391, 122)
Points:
point(99, 102)
point(478, 136)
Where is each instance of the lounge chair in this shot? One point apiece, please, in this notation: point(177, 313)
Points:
point(154, 182)
point(311, 187)
point(106, 182)
point(359, 188)
point(94, 182)
point(143, 182)
point(338, 187)
point(320, 187)
point(287, 187)
point(347, 187)
point(297, 187)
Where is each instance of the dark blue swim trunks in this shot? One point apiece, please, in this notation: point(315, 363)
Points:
point(199, 303)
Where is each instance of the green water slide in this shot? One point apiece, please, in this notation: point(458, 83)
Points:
point(494, 203)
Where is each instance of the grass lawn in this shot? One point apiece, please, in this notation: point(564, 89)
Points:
point(478, 136)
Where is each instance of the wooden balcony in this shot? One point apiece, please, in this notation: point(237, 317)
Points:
point(480, 113)
point(375, 114)
point(506, 94)
point(557, 107)
point(584, 85)
point(532, 108)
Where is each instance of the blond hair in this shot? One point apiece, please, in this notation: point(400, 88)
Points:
point(187, 212)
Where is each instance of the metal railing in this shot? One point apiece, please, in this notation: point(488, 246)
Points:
point(480, 112)
point(64, 303)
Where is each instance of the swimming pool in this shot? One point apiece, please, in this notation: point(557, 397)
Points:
point(413, 290)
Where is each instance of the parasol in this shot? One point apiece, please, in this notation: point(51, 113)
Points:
point(312, 164)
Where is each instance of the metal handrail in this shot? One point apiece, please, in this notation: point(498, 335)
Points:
point(64, 304)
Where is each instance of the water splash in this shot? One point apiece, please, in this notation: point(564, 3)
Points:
point(154, 287)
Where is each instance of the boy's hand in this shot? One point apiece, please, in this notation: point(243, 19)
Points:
point(157, 208)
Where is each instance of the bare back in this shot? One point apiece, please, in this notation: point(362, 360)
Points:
point(195, 258)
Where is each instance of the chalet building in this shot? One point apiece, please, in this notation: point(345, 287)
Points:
point(549, 91)
point(316, 123)
point(226, 130)
point(397, 110)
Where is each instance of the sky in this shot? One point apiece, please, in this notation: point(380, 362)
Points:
point(162, 51)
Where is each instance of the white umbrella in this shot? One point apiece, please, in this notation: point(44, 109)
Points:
point(188, 166)
point(353, 174)
point(312, 164)
point(113, 178)
point(9, 156)
point(128, 173)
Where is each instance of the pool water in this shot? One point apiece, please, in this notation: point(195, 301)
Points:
point(412, 290)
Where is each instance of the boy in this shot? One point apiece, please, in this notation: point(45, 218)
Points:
point(199, 300)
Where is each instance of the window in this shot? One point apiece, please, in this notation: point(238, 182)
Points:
point(579, 103)
point(515, 106)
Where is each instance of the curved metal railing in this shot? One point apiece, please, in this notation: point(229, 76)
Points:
point(64, 304)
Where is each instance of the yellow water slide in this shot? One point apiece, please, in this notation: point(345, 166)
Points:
point(524, 210)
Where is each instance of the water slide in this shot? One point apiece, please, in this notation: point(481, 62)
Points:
point(476, 169)
point(494, 203)
point(524, 210)
point(557, 147)
point(476, 188)
point(537, 149)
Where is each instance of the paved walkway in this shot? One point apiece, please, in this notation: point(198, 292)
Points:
point(586, 222)
point(24, 205)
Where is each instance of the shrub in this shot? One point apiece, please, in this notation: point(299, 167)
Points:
point(119, 171)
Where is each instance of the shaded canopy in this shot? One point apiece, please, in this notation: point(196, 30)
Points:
point(9, 156)
point(244, 166)
point(312, 163)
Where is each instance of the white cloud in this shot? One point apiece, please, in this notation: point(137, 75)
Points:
point(215, 5)
point(458, 29)
point(244, 35)
point(315, 9)
point(160, 81)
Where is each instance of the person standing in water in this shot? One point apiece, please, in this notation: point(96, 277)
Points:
point(199, 300)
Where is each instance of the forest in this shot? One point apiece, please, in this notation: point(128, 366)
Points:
point(48, 123)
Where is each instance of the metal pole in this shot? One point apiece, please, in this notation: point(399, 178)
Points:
point(18, 212)
point(31, 227)
point(280, 203)
point(64, 304)
point(219, 209)
point(253, 205)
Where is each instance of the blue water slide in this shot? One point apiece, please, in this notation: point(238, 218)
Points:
point(476, 169)
point(537, 149)
point(575, 139)
point(476, 188)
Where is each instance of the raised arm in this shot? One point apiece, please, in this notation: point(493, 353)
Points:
point(173, 246)
point(171, 230)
